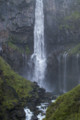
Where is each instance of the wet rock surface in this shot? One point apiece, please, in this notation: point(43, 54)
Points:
point(17, 113)
point(61, 30)
point(39, 95)
point(17, 26)
point(17, 20)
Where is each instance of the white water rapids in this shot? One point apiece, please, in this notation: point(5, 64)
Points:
point(39, 56)
point(42, 108)
point(28, 113)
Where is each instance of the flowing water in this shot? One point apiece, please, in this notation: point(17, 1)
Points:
point(65, 73)
point(0, 47)
point(39, 56)
point(59, 76)
point(77, 65)
point(42, 111)
point(28, 113)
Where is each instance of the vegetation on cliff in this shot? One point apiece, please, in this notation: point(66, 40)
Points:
point(75, 50)
point(66, 107)
point(71, 22)
point(13, 89)
point(15, 44)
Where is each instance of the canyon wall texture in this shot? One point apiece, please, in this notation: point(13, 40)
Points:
point(62, 32)
point(16, 30)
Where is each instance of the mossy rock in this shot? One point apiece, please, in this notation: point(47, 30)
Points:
point(66, 107)
point(16, 47)
point(70, 22)
point(75, 50)
point(13, 88)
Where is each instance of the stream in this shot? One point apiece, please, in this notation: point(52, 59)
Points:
point(42, 111)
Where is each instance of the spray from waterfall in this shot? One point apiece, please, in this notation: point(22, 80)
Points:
point(39, 56)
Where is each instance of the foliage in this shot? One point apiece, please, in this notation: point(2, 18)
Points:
point(27, 50)
point(75, 50)
point(15, 47)
point(13, 88)
point(12, 43)
point(74, 16)
point(70, 22)
point(66, 107)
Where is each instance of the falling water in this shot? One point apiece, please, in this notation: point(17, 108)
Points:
point(65, 72)
point(39, 56)
point(28, 113)
point(78, 68)
point(59, 76)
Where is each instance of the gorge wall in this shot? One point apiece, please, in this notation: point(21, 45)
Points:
point(17, 20)
point(62, 32)
point(61, 21)
point(16, 29)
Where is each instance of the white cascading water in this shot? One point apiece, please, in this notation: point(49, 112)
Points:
point(59, 64)
point(39, 56)
point(65, 72)
point(28, 113)
point(77, 62)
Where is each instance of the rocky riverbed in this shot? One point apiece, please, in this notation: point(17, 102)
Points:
point(37, 105)
point(41, 109)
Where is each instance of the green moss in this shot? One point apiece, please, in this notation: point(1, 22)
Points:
point(13, 39)
point(27, 50)
point(74, 16)
point(70, 22)
point(78, 2)
point(15, 47)
point(74, 50)
point(21, 85)
point(66, 107)
point(13, 88)
point(66, 26)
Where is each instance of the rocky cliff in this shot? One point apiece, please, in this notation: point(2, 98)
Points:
point(17, 20)
point(16, 93)
point(16, 29)
point(61, 21)
point(62, 32)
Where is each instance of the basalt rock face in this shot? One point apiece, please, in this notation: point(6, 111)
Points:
point(61, 22)
point(17, 19)
point(13, 57)
point(62, 32)
point(16, 26)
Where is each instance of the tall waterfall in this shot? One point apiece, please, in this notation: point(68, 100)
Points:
point(39, 56)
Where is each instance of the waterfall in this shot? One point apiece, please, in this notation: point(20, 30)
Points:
point(59, 76)
point(28, 113)
point(39, 56)
point(65, 73)
point(77, 57)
